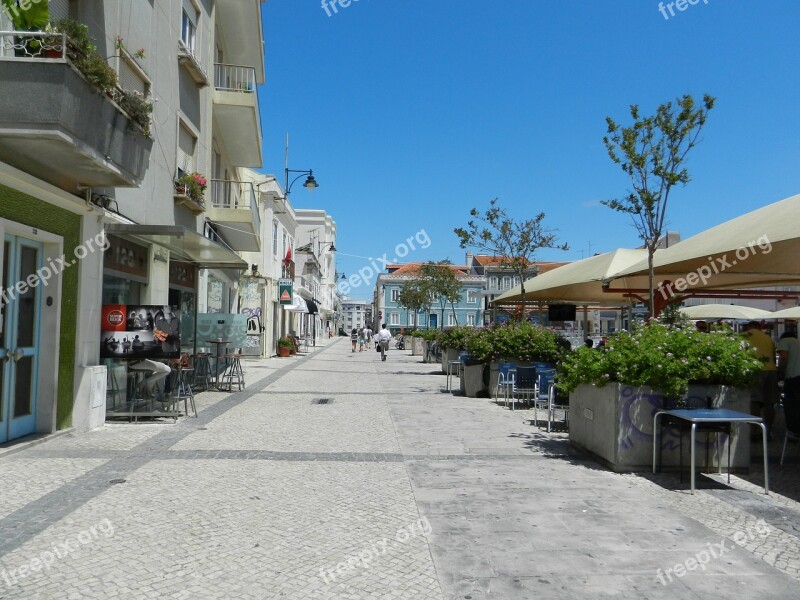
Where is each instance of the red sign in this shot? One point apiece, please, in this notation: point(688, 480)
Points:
point(285, 297)
point(114, 317)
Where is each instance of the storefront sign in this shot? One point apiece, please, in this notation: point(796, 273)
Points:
point(125, 256)
point(285, 291)
point(182, 274)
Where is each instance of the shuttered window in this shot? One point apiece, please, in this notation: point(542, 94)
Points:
point(186, 146)
point(129, 79)
point(59, 9)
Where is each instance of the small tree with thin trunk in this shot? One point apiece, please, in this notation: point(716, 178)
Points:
point(412, 297)
point(442, 282)
point(514, 242)
point(652, 153)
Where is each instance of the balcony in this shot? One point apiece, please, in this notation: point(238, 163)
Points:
point(190, 62)
point(232, 206)
point(236, 114)
point(239, 21)
point(56, 126)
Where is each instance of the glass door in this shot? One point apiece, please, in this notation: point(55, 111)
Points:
point(19, 336)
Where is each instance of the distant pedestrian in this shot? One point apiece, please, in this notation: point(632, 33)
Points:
point(589, 343)
point(765, 392)
point(383, 338)
point(789, 367)
point(360, 340)
point(354, 338)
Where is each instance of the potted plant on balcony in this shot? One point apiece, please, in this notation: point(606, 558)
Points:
point(614, 393)
point(285, 346)
point(192, 186)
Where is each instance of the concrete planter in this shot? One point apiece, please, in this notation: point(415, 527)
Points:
point(447, 356)
point(471, 383)
point(417, 346)
point(615, 423)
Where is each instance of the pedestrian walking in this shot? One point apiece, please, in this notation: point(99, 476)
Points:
point(383, 338)
point(354, 338)
point(360, 340)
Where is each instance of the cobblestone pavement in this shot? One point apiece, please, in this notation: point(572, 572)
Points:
point(391, 489)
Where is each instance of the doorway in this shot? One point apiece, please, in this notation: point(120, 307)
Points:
point(20, 316)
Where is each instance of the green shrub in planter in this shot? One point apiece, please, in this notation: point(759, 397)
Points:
point(427, 334)
point(455, 338)
point(664, 358)
point(522, 341)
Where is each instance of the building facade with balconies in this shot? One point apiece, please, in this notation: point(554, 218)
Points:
point(137, 149)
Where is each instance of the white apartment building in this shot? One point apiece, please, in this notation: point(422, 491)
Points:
point(83, 163)
point(315, 270)
point(356, 313)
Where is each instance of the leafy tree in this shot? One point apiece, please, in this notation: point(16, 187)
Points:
point(442, 283)
point(514, 242)
point(34, 17)
point(413, 297)
point(652, 152)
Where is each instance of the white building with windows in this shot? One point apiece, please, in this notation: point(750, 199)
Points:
point(114, 159)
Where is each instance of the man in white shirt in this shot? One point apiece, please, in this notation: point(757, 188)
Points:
point(383, 338)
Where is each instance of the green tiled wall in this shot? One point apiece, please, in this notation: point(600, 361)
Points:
point(19, 207)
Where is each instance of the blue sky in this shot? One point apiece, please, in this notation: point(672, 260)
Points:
point(413, 112)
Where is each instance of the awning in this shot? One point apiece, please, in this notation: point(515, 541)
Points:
point(312, 307)
point(297, 305)
point(183, 243)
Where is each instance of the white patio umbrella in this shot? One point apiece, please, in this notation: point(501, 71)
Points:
point(787, 313)
point(725, 311)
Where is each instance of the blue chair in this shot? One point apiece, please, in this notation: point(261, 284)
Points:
point(544, 380)
point(524, 384)
point(505, 380)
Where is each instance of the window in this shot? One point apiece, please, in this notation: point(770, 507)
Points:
point(471, 320)
point(451, 320)
point(493, 282)
point(394, 319)
point(472, 296)
point(275, 238)
point(395, 294)
point(506, 285)
point(411, 317)
point(516, 280)
point(189, 26)
point(284, 245)
point(187, 142)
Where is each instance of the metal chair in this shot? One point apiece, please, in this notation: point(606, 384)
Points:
point(234, 374)
point(505, 380)
point(455, 365)
point(789, 436)
point(182, 390)
point(524, 384)
point(202, 369)
point(553, 406)
point(544, 379)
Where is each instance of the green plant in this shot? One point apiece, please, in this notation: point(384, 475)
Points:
point(138, 109)
point(33, 17)
point(194, 183)
point(285, 342)
point(521, 340)
point(665, 358)
point(455, 338)
point(427, 334)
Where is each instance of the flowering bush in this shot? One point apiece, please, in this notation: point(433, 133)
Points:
point(522, 341)
point(664, 358)
point(427, 334)
point(194, 185)
point(455, 338)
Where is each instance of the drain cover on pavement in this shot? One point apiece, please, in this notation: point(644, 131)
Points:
point(322, 401)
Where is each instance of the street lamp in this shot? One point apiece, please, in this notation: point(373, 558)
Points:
point(310, 183)
point(332, 248)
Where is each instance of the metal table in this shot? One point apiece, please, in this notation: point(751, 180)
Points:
point(708, 415)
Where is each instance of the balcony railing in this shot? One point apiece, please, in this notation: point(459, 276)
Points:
point(235, 78)
point(32, 45)
point(232, 194)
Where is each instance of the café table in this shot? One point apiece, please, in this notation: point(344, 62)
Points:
point(695, 417)
point(221, 344)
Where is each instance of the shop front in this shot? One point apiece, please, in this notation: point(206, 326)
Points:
point(151, 286)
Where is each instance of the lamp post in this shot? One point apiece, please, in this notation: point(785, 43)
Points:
point(310, 183)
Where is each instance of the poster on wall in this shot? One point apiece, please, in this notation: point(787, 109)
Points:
point(135, 332)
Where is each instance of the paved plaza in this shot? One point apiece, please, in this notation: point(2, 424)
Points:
point(338, 476)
